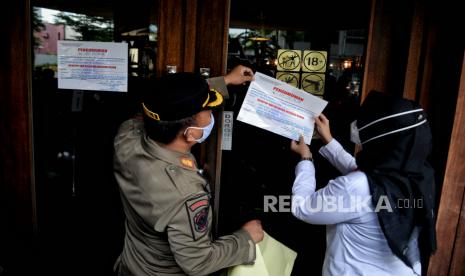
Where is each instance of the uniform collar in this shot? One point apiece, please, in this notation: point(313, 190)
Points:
point(183, 160)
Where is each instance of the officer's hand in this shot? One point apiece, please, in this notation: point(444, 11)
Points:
point(322, 127)
point(301, 148)
point(239, 75)
point(255, 230)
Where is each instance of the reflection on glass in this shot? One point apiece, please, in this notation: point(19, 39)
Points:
point(134, 55)
point(85, 27)
point(50, 25)
point(259, 48)
point(153, 32)
point(142, 50)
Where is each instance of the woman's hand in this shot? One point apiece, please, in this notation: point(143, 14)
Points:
point(301, 148)
point(322, 127)
point(239, 75)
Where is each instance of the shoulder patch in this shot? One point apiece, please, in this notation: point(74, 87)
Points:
point(188, 163)
point(198, 211)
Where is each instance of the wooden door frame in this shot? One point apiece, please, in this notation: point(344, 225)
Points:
point(450, 256)
point(17, 187)
point(194, 34)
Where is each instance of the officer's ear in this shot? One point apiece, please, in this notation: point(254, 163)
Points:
point(189, 134)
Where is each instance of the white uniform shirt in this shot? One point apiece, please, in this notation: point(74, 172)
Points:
point(355, 241)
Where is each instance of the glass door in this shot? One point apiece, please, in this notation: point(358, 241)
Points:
point(288, 42)
point(80, 219)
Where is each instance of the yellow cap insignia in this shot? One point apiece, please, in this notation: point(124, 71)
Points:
point(151, 114)
point(218, 100)
point(188, 163)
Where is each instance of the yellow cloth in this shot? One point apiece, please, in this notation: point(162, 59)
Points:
point(272, 259)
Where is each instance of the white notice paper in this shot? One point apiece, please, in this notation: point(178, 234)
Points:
point(87, 65)
point(280, 108)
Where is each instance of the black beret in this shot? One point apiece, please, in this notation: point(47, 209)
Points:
point(178, 96)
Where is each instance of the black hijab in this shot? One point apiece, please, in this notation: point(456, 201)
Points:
point(398, 171)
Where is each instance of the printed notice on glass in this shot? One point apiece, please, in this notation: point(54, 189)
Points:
point(278, 107)
point(101, 66)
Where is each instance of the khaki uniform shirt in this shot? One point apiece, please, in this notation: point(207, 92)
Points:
point(168, 214)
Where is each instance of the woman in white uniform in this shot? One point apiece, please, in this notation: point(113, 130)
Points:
point(380, 212)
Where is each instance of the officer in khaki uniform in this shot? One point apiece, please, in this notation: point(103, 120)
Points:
point(166, 200)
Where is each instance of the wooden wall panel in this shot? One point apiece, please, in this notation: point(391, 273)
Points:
point(193, 34)
point(458, 256)
point(17, 201)
point(387, 46)
point(213, 27)
point(452, 196)
point(176, 35)
point(15, 114)
point(373, 76)
point(424, 97)
point(415, 52)
point(190, 36)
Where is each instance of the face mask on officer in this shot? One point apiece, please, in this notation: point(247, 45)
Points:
point(206, 130)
